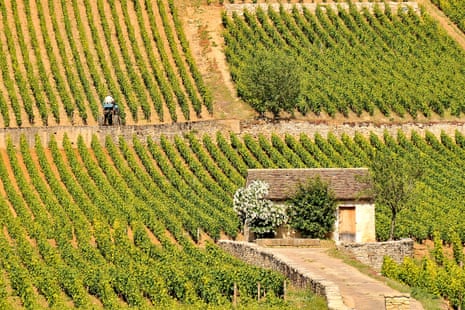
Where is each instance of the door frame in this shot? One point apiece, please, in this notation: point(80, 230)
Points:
point(350, 236)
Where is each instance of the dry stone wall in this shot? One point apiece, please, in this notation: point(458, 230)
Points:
point(292, 242)
point(252, 7)
point(401, 302)
point(372, 253)
point(296, 127)
point(128, 132)
point(255, 255)
point(252, 127)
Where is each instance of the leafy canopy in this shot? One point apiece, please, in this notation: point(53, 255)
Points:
point(261, 215)
point(271, 81)
point(313, 209)
point(394, 181)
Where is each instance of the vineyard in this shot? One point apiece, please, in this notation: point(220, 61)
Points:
point(440, 274)
point(399, 63)
point(454, 9)
point(77, 219)
point(126, 223)
point(57, 67)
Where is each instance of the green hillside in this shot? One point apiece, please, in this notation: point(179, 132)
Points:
point(454, 9)
point(76, 220)
point(398, 63)
point(56, 68)
point(132, 223)
point(59, 59)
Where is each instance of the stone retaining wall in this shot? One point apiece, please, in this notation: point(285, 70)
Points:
point(296, 127)
point(401, 302)
point(252, 127)
point(253, 254)
point(372, 253)
point(292, 242)
point(238, 8)
point(128, 132)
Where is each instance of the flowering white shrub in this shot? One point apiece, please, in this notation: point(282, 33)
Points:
point(261, 215)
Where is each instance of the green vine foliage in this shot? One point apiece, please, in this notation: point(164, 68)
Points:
point(445, 279)
point(454, 9)
point(76, 218)
point(438, 252)
point(457, 247)
point(384, 48)
point(313, 209)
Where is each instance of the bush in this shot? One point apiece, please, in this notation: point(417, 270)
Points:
point(313, 209)
point(271, 81)
point(261, 215)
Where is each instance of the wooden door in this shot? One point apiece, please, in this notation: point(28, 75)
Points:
point(347, 223)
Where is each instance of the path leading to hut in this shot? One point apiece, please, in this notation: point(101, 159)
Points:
point(358, 290)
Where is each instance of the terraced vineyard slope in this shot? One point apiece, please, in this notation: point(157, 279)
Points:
point(116, 224)
point(83, 228)
point(59, 59)
point(454, 9)
point(361, 61)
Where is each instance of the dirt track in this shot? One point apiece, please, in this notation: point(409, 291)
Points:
point(444, 21)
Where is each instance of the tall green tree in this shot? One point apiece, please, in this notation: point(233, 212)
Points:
point(394, 181)
point(271, 81)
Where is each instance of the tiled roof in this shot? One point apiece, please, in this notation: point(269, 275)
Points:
point(346, 183)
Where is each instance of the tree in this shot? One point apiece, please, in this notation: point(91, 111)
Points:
point(312, 209)
point(394, 180)
point(270, 81)
point(261, 215)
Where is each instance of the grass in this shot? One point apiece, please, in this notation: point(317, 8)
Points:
point(428, 301)
point(296, 299)
point(305, 299)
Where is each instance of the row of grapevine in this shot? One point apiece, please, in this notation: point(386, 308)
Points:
point(355, 60)
point(118, 221)
point(193, 96)
point(436, 273)
point(60, 58)
point(201, 87)
point(18, 78)
point(454, 9)
point(97, 213)
point(72, 79)
point(81, 72)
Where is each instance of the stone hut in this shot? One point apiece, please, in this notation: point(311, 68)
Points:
point(355, 218)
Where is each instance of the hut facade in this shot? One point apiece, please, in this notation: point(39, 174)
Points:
point(355, 217)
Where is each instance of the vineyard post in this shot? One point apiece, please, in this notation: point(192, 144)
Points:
point(284, 290)
point(198, 234)
point(258, 291)
point(235, 295)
